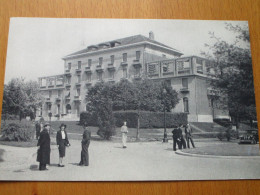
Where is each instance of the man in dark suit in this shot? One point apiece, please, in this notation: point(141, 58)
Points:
point(62, 142)
point(84, 160)
point(44, 148)
point(175, 136)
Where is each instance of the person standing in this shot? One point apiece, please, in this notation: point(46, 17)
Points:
point(175, 136)
point(62, 142)
point(182, 143)
point(124, 132)
point(188, 136)
point(84, 161)
point(38, 130)
point(44, 148)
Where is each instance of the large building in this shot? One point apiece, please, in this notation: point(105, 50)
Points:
point(130, 58)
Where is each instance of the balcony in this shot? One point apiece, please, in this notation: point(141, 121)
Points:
point(184, 90)
point(87, 70)
point(48, 100)
point(78, 84)
point(67, 98)
point(124, 64)
point(137, 64)
point(88, 83)
point(42, 87)
point(111, 80)
point(78, 70)
point(68, 85)
point(99, 68)
point(51, 86)
point(111, 67)
point(58, 99)
point(59, 84)
point(67, 72)
point(137, 77)
point(213, 92)
point(77, 98)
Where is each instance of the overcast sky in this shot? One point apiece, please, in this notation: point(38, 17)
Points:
point(36, 45)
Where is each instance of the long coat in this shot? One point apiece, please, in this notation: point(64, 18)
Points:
point(43, 154)
point(62, 143)
point(85, 144)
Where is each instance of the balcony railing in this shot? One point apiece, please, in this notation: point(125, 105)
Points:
point(137, 77)
point(88, 70)
point(124, 63)
point(137, 64)
point(78, 70)
point(67, 72)
point(184, 90)
point(88, 83)
point(78, 84)
point(99, 68)
point(77, 98)
point(111, 67)
point(68, 85)
point(213, 92)
point(58, 99)
point(48, 100)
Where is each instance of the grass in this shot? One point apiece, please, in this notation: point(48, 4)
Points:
point(28, 144)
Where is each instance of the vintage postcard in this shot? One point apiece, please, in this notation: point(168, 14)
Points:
point(128, 100)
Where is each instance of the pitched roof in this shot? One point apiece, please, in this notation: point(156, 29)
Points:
point(126, 41)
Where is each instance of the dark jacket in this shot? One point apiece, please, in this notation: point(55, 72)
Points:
point(175, 133)
point(86, 138)
point(38, 127)
point(59, 138)
point(43, 154)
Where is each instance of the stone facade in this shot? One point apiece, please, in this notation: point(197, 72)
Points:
point(128, 58)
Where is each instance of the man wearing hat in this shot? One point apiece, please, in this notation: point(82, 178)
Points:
point(44, 148)
point(62, 142)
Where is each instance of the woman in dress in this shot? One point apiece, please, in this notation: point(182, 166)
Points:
point(62, 142)
point(124, 132)
point(84, 161)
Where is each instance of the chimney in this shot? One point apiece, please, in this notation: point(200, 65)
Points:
point(151, 35)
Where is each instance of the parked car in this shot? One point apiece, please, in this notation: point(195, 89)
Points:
point(250, 136)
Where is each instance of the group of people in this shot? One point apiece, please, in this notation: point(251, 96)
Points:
point(44, 148)
point(178, 135)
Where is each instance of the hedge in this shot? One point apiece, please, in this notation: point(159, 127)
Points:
point(147, 119)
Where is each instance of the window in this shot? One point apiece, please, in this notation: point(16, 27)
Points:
point(89, 62)
point(112, 58)
point(111, 74)
point(68, 80)
point(138, 71)
point(78, 79)
point(183, 67)
point(89, 78)
point(137, 53)
point(186, 104)
point(69, 66)
point(125, 73)
point(59, 93)
point(198, 61)
point(99, 76)
point(79, 64)
point(100, 61)
point(124, 57)
point(78, 92)
point(49, 107)
point(50, 93)
point(185, 82)
point(152, 68)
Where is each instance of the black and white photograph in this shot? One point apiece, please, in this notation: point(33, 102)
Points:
point(128, 100)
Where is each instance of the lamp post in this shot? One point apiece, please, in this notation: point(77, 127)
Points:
point(164, 115)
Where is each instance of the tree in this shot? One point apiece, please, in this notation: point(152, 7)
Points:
point(233, 71)
point(21, 98)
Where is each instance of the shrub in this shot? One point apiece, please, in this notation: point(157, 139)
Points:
point(149, 119)
point(90, 119)
point(17, 131)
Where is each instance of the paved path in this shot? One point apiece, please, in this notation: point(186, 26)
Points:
point(140, 161)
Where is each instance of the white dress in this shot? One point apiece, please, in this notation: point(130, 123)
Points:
point(124, 132)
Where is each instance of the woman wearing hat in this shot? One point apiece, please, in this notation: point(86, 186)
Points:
point(44, 148)
point(62, 142)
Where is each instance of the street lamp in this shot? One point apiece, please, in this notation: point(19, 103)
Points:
point(164, 110)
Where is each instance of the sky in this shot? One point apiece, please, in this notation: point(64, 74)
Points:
point(36, 45)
